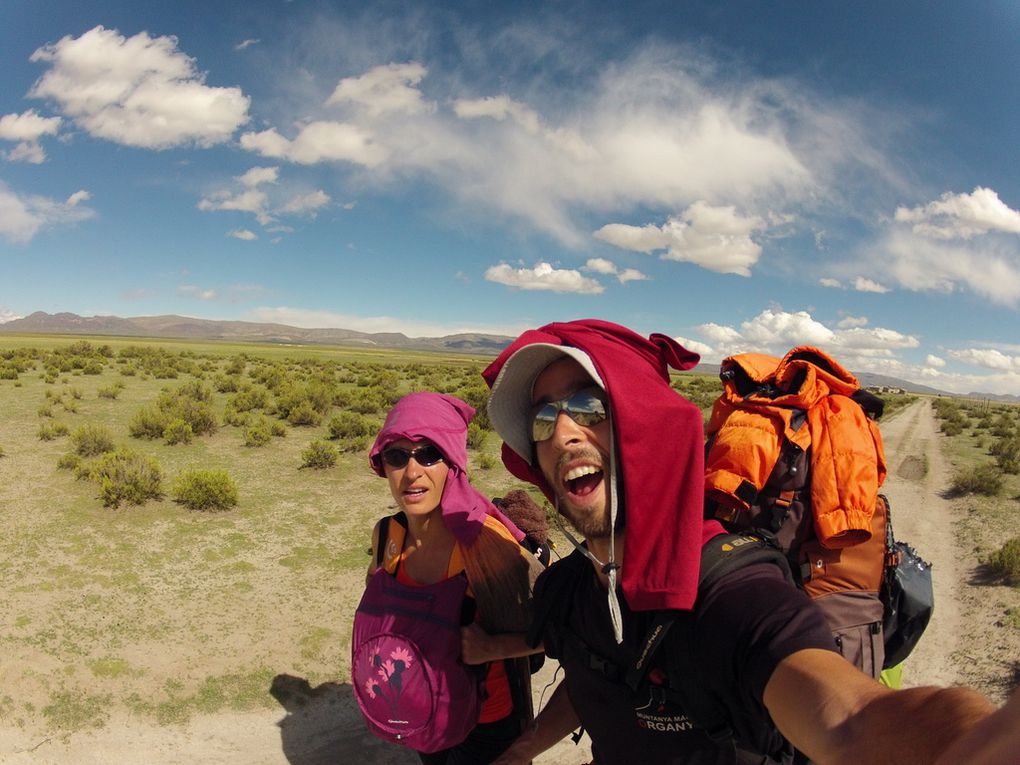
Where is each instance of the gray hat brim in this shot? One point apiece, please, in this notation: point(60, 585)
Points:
point(510, 400)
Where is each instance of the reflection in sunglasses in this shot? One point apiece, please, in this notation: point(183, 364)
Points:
point(586, 407)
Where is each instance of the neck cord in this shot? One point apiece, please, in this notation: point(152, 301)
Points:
point(610, 568)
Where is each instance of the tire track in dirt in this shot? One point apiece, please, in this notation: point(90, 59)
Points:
point(918, 477)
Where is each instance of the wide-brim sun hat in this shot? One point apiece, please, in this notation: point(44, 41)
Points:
point(510, 400)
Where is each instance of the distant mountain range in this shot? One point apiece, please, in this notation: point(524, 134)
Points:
point(183, 327)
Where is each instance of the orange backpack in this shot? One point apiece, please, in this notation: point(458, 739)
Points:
point(793, 449)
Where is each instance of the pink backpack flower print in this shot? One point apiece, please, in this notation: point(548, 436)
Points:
point(405, 664)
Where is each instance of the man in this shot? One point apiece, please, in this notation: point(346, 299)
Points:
point(587, 414)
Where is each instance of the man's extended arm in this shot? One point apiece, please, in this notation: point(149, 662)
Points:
point(477, 646)
point(556, 720)
point(835, 714)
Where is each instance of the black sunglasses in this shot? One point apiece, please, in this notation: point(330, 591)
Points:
point(586, 407)
point(425, 455)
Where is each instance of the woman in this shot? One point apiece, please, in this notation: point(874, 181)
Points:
point(445, 527)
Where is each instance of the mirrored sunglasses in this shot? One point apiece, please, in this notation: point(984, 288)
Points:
point(425, 455)
point(586, 407)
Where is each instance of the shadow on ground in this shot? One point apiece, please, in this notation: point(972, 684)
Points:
point(323, 726)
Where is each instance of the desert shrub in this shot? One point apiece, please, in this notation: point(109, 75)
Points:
point(93, 367)
point(177, 431)
point(486, 462)
point(74, 393)
point(2, 453)
point(190, 402)
point(304, 413)
point(91, 440)
point(319, 455)
point(45, 411)
point(476, 394)
point(226, 383)
point(124, 476)
point(278, 429)
point(69, 461)
point(1005, 562)
point(367, 401)
point(304, 404)
point(258, 433)
point(8, 372)
point(111, 391)
point(475, 436)
point(951, 427)
point(51, 431)
point(346, 425)
point(205, 490)
point(148, 422)
point(1007, 456)
point(985, 480)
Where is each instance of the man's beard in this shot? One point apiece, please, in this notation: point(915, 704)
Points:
point(592, 522)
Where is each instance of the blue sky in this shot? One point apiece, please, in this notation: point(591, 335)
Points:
point(742, 176)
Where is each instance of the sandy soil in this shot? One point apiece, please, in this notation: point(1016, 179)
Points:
point(316, 726)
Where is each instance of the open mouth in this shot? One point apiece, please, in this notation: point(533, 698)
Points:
point(582, 480)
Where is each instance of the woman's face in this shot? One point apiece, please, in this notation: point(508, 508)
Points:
point(417, 488)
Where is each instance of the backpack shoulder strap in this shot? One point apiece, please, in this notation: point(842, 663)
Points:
point(384, 534)
point(726, 553)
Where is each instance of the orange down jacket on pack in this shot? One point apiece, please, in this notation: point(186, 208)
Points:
point(799, 402)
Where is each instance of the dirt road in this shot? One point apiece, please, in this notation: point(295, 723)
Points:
point(321, 726)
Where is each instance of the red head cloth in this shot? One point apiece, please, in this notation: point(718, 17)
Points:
point(659, 449)
point(443, 420)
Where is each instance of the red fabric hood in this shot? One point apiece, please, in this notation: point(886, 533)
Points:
point(659, 452)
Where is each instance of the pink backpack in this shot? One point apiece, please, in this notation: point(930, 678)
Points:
point(405, 662)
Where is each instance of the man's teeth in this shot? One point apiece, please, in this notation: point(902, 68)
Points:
point(579, 471)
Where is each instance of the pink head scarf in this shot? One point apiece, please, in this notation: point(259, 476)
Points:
point(443, 420)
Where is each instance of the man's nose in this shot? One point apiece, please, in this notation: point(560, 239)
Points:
point(567, 432)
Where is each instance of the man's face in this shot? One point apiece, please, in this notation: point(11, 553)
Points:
point(575, 459)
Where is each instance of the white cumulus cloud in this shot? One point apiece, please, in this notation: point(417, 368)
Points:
point(320, 141)
point(608, 268)
point(137, 91)
point(543, 277)
point(716, 238)
point(958, 242)
point(389, 89)
point(256, 176)
point(932, 360)
point(848, 322)
point(863, 284)
point(243, 234)
point(989, 358)
point(306, 204)
point(27, 126)
point(961, 216)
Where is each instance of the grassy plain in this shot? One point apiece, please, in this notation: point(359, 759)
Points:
point(159, 611)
